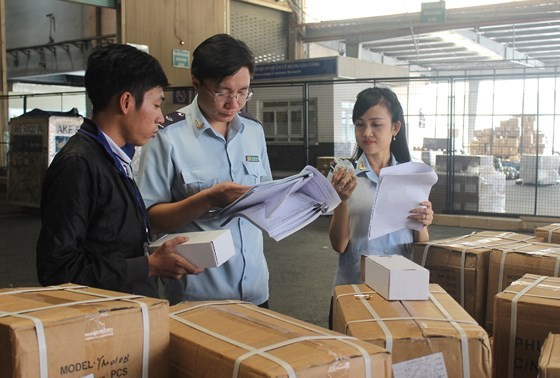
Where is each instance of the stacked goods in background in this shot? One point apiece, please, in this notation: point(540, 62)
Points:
point(475, 184)
point(460, 265)
point(35, 138)
point(524, 314)
point(550, 233)
point(414, 330)
point(77, 331)
point(539, 170)
point(233, 338)
point(514, 137)
point(509, 263)
point(549, 361)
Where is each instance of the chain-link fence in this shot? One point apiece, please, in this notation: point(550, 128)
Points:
point(491, 139)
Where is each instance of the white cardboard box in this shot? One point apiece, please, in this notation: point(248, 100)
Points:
point(396, 277)
point(205, 249)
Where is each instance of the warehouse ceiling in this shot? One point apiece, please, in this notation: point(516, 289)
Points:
point(507, 36)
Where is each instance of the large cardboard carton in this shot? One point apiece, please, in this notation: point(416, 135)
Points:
point(77, 331)
point(460, 265)
point(524, 314)
point(205, 249)
point(413, 329)
point(549, 361)
point(238, 339)
point(396, 277)
point(550, 233)
point(508, 265)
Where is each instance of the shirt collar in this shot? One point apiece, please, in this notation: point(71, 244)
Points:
point(200, 124)
point(122, 155)
point(363, 167)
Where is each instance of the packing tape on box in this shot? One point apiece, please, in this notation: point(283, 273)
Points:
point(551, 231)
point(389, 337)
point(503, 264)
point(39, 329)
point(513, 322)
point(482, 243)
point(263, 352)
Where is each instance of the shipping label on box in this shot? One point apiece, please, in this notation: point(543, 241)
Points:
point(549, 361)
point(414, 329)
point(77, 331)
point(396, 277)
point(239, 339)
point(460, 265)
point(550, 233)
point(524, 314)
point(508, 265)
point(205, 249)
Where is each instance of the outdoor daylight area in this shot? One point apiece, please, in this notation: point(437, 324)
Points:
point(280, 188)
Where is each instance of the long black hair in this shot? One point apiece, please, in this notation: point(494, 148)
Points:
point(383, 96)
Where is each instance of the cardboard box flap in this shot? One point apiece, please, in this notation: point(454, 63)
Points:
point(258, 340)
point(64, 303)
point(476, 242)
point(435, 317)
point(533, 288)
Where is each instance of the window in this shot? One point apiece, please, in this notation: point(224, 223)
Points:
point(283, 121)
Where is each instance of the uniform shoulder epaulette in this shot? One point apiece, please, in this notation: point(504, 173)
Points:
point(172, 118)
point(250, 116)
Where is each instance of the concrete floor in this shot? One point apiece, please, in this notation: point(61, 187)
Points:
point(302, 266)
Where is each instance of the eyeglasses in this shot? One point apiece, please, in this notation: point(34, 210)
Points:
point(223, 97)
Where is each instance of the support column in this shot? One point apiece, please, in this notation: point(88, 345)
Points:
point(3, 88)
point(472, 107)
point(352, 48)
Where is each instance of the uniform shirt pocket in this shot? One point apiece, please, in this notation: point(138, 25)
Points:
point(253, 171)
point(196, 180)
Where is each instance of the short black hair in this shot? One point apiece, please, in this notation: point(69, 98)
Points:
point(113, 69)
point(221, 56)
point(383, 96)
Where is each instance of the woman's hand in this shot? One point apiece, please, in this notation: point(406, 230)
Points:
point(423, 214)
point(344, 182)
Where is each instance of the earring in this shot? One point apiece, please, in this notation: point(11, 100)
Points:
point(394, 137)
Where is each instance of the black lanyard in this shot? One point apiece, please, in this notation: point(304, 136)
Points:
point(130, 183)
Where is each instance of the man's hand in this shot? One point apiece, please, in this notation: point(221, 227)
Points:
point(166, 263)
point(224, 193)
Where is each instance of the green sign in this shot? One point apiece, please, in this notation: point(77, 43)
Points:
point(181, 58)
point(433, 12)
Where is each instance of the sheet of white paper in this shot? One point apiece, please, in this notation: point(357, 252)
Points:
point(401, 188)
point(321, 189)
point(277, 189)
point(430, 366)
point(282, 207)
point(296, 213)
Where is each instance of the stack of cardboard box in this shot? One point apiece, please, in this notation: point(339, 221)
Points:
point(476, 185)
point(524, 314)
point(460, 265)
point(507, 265)
point(512, 138)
